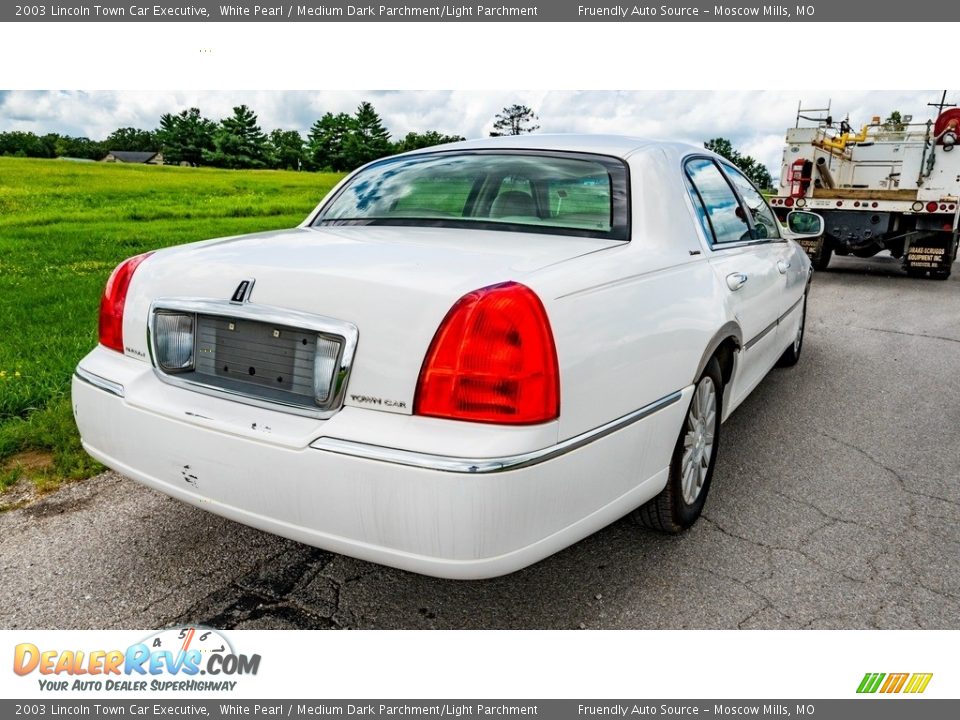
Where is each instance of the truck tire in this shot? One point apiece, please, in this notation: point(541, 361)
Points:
point(680, 503)
point(822, 258)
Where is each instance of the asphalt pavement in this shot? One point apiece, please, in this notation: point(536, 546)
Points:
point(835, 504)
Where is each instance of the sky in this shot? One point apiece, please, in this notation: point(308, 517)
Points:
point(754, 121)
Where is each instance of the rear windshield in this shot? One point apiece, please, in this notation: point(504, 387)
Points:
point(564, 194)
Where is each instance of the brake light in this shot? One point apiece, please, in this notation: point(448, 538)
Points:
point(492, 360)
point(113, 300)
point(932, 206)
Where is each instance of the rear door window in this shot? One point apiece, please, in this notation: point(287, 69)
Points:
point(765, 223)
point(724, 219)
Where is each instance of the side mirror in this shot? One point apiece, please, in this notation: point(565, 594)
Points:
point(804, 224)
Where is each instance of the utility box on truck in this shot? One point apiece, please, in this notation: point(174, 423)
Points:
point(892, 185)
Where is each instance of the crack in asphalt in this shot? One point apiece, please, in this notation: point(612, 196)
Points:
point(910, 334)
point(268, 593)
point(892, 471)
point(782, 548)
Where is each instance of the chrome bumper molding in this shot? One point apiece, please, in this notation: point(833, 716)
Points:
point(98, 382)
point(481, 466)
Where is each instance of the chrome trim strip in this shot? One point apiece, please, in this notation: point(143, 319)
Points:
point(98, 382)
point(340, 330)
point(763, 333)
point(790, 309)
point(716, 247)
point(479, 466)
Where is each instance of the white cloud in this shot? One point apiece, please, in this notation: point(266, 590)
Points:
point(753, 120)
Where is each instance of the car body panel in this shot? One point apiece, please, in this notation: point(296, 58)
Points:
point(394, 283)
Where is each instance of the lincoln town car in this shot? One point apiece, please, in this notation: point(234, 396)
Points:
point(465, 359)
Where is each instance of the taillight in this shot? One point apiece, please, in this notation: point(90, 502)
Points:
point(113, 300)
point(492, 360)
point(932, 206)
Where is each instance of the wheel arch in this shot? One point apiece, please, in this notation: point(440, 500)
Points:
point(724, 345)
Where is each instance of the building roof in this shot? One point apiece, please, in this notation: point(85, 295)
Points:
point(131, 156)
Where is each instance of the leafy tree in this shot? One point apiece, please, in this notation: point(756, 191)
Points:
point(130, 138)
point(184, 137)
point(415, 140)
point(286, 149)
point(514, 120)
point(894, 122)
point(369, 140)
point(326, 142)
point(239, 142)
point(751, 167)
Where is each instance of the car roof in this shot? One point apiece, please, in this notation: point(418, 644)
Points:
point(621, 146)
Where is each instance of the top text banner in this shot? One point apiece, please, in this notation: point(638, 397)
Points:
point(504, 11)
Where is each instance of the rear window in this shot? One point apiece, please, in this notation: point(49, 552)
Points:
point(564, 194)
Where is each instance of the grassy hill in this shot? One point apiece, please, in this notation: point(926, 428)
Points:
point(64, 226)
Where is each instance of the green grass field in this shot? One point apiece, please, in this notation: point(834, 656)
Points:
point(63, 227)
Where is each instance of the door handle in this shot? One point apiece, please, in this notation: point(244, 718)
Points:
point(783, 266)
point(735, 281)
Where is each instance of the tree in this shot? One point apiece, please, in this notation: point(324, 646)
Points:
point(751, 167)
point(514, 120)
point(286, 149)
point(326, 142)
point(239, 142)
point(415, 140)
point(369, 140)
point(184, 138)
point(130, 138)
point(894, 122)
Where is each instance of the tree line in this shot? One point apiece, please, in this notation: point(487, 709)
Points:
point(336, 142)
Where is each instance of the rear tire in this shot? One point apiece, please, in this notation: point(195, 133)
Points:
point(791, 355)
point(822, 259)
point(680, 503)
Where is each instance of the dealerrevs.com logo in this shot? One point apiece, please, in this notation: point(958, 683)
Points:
point(179, 659)
point(910, 683)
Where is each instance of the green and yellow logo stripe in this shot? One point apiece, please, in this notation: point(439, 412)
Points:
point(913, 683)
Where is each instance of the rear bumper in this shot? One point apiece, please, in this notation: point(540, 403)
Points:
point(293, 477)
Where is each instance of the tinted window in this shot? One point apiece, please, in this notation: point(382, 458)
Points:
point(725, 220)
point(545, 192)
point(765, 223)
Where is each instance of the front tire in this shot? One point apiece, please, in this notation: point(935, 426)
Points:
point(680, 503)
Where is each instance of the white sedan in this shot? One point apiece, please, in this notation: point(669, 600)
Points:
point(465, 359)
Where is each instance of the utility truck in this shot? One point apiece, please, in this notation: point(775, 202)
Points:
point(890, 185)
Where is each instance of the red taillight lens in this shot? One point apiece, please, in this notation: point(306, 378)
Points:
point(492, 360)
point(113, 300)
point(932, 206)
